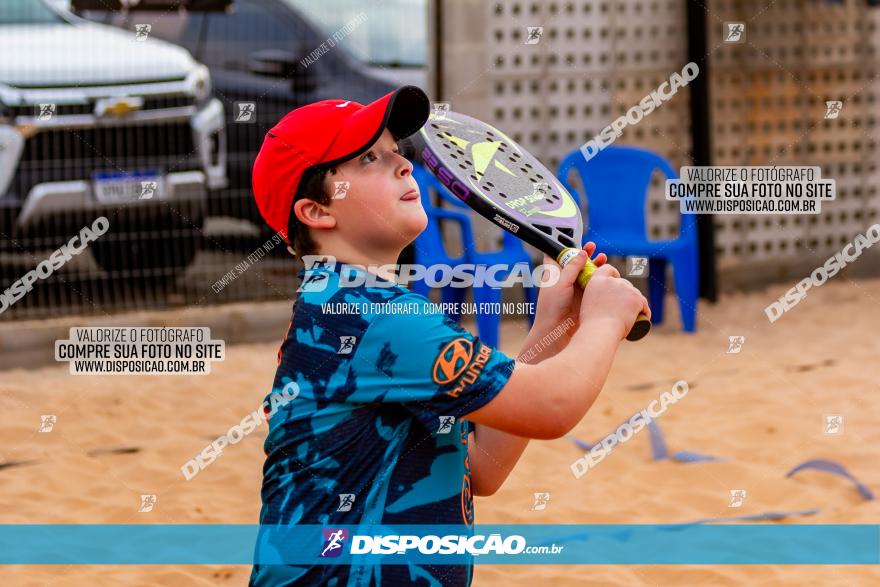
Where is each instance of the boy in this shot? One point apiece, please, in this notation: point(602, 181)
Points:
point(400, 418)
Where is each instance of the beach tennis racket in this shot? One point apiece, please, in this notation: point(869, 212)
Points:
point(503, 182)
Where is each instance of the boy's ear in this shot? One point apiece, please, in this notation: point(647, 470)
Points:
point(313, 214)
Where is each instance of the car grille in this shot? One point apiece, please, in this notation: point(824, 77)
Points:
point(156, 102)
point(72, 154)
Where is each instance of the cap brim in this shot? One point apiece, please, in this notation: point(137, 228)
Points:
point(403, 112)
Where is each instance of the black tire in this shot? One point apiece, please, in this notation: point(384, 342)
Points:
point(156, 252)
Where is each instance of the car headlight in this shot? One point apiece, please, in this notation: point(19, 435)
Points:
point(198, 83)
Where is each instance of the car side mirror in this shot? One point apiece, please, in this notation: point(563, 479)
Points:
point(273, 63)
point(281, 63)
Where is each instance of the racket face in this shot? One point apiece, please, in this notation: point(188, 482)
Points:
point(499, 179)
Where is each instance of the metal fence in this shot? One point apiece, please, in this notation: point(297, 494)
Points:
point(103, 114)
point(152, 120)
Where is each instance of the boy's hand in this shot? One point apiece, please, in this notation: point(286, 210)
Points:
point(561, 301)
point(608, 298)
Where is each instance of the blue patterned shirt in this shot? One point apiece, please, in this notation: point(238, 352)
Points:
point(376, 434)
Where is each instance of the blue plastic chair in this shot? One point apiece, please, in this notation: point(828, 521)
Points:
point(429, 249)
point(511, 253)
point(429, 246)
point(616, 183)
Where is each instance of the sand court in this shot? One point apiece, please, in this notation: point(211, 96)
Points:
point(760, 411)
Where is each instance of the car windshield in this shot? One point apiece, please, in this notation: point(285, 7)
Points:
point(27, 12)
point(391, 34)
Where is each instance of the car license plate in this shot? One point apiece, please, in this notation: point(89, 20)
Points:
point(116, 187)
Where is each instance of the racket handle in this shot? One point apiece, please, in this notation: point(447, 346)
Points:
point(642, 324)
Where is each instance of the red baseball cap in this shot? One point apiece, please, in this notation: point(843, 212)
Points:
point(321, 135)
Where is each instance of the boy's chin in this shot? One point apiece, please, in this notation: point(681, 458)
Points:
point(413, 223)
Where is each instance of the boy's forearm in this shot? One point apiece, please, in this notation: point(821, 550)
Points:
point(497, 451)
point(578, 372)
point(545, 339)
point(492, 455)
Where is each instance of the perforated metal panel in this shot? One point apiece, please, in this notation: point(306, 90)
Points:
point(595, 60)
point(768, 107)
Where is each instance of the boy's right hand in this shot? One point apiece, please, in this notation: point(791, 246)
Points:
point(610, 298)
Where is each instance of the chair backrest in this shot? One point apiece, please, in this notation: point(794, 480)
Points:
point(509, 242)
point(616, 183)
point(429, 246)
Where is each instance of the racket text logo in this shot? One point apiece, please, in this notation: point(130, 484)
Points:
point(444, 175)
point(505, 223)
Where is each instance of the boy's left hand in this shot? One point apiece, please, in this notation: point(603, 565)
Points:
point(561, 301)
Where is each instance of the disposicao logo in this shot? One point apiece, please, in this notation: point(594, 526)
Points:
point(333, 542)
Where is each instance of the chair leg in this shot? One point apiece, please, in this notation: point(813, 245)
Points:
point(656, 288)
point(531, 295)
point(453, 295)
point(685, 272)
point(488, 323)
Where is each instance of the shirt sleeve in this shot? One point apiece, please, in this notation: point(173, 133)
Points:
point(413, 355)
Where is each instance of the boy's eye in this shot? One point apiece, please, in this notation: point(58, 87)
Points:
point(371, 156)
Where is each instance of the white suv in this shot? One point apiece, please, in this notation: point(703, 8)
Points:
point(97, 121)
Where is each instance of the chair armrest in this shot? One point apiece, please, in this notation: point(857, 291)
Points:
point(572, 160)
point(450, 198)
point(688, 227)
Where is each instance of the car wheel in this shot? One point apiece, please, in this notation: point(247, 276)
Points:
point(155, 252)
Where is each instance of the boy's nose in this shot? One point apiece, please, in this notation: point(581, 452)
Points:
point(405, 167)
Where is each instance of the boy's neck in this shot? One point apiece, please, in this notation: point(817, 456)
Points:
point(379, 260)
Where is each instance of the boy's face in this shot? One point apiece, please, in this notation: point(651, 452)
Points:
point(376, 201)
